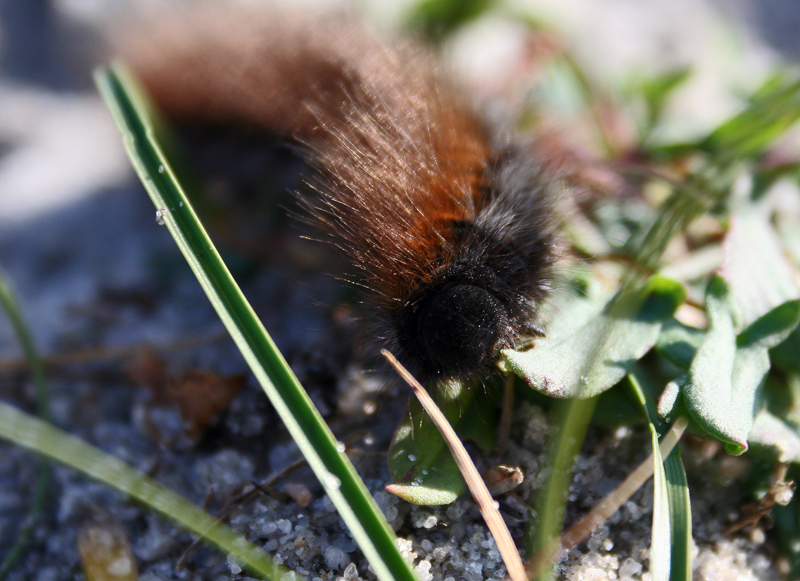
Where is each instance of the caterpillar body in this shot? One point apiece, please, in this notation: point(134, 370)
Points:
point(446, 219)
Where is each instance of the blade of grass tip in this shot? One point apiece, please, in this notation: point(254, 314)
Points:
point(34, 434)
point(330, 464)
point(680, 512)
point(601, 511)
point(43, 402)
point(661, 533)
point(477, 487)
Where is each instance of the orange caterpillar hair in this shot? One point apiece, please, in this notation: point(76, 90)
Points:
point(448, 220)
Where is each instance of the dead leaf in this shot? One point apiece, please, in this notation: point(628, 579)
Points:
point(201, 397)
point(149, 371)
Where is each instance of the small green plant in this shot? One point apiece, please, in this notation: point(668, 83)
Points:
point(703, 334)
point(706, 334)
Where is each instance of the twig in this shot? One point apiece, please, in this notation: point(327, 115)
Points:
point(476, 485)
point(235, 499)
point(115, 353)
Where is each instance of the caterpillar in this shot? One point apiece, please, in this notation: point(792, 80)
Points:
point(445, 215)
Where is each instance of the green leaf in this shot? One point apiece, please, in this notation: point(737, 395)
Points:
point(755, 266)
point(671, 151)
point(771, 111)
point(785, 355)
point(775, 437)
point(576, 302)
point(670, 553)
point(439, 18)
point(708, 390)
point(767, 177)
point(776, 430)
point(615, 408)
point(332, 467)
point(661, 535)
point(597, 354)
point(724, 377)
point(655, 92)
point(772, 328)
point(756, 295)
point(571, 421)
point(422, 469)
point(679, 343)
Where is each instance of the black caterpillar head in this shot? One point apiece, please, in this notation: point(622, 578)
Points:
point(455, 324)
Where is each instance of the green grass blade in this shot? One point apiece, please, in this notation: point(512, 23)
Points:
point(37, 435)
point(572, 422)
point(660, 545)
point(680, 512)
point(37, 372)
point(315, 440)
point(771, 111)
point(9, 305)
point(655, 93)
point(670, 553)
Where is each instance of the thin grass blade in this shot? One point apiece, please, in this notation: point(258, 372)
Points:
point(30, 432)
point(9, 305)
point(680, 512)
point(315, 440)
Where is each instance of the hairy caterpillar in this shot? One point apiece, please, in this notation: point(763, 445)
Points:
point(447, 218)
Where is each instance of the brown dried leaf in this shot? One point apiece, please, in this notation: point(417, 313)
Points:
point(201, 397)
point(149, 371)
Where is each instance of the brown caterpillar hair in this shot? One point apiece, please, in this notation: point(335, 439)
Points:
point(448, 220)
